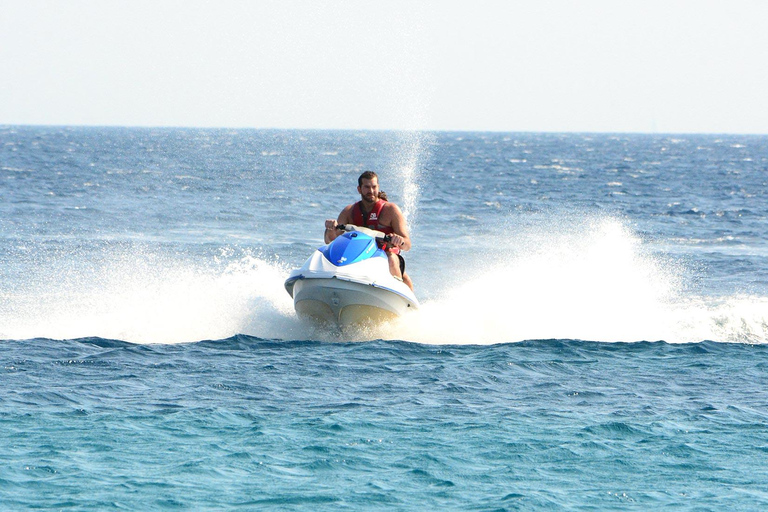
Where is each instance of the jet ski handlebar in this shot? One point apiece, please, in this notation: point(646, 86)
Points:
point(378, 235)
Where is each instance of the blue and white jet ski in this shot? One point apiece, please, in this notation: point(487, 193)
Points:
point(347, 282)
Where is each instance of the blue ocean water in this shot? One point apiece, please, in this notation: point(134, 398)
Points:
point(592, 332)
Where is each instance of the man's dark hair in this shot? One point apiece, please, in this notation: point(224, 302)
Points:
point(367, 175)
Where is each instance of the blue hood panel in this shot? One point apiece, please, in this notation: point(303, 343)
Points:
point(349, 248)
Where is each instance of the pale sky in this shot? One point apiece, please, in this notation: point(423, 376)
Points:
point(671, 66)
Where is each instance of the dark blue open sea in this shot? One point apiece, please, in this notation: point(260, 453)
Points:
point(593, 332)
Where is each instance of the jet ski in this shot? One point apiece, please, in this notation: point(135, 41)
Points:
point(347, 282)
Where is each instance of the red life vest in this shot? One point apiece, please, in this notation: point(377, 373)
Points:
point(372, 221)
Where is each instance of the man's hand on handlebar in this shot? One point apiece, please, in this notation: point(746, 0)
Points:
point(396, 240)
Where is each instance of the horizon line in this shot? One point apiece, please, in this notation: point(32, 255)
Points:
point(392, 130)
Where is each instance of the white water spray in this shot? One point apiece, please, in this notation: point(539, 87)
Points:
point(592, 283)
point(144, 297)
point(410, 154)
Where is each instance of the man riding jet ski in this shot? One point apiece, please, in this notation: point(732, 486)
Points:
point(373, 211)
point(359, 276)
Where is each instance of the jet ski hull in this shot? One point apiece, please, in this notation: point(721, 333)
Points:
point(346, 303)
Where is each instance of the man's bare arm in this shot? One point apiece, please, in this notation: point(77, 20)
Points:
point(400, 228)
point(345, 217)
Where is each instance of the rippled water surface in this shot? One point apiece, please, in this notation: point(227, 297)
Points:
point(592, 332)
